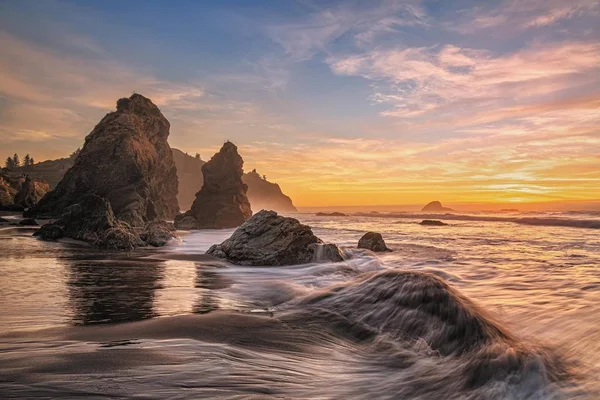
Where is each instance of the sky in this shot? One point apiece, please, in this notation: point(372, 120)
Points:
point(340, 102)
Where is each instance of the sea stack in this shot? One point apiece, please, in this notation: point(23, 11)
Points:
point(26, 195)
point(222, 201)
point(265, 195)
point(126, 159)
point(435, 206)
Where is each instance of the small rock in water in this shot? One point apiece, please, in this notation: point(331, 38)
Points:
point(432, 222)
point(373, 241)
point(186, 222)
point(270, 239)
point(158, 233)
point(333, 214)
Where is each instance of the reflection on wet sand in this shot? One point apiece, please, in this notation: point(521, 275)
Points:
point(114, 290)
point(209, 281)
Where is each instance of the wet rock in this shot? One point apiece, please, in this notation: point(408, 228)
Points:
point(326, 252)
point(3, 221)
point(93, 221)
point(435, 206)
point(158, 233)
point(222, 201)
point(333, 214)
point(270, 239)
point(28, 222)
point(126, 160)
point(373, 241)
point(432, 222)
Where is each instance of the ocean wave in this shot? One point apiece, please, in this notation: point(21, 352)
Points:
point(536, 221)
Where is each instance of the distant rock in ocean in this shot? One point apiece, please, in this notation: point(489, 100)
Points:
point(333, 214)
point(125, 159)
point(222, 201)
point(509, 210)
point(435, 206)
point(432, 222)
point(373, 241)
point(270, 239)
point(265, 195)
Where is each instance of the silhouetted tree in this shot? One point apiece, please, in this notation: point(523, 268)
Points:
point(16, 161)
point(264, 177)
point(31, 161)
point(26, 160)
point(9, 162)
point(197, 156)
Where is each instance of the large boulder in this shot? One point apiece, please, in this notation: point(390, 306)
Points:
point(373, 241)
point(222, 201)
point(92, 220)
point(126, 159)
point(270, 239)
point(435, 206)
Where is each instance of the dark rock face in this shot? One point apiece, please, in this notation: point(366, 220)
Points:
point(222, 201)
point(125, 159)
point(7, 192)
point(92, 221)
point(432, 222)
point(333, 214)
point(158, 233)
point(28, 222)
point(26, 195)
point(265, 195)
point(270, 239)
point(435, 206)
point(186, 222)
point(12, 208)
point(373, 241)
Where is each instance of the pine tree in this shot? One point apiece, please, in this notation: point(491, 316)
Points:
point(16, 161)
point(31, 162)
point(26, 160)
point(197, 156)
point(9, 163)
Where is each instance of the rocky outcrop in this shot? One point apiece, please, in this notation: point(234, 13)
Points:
point(435, 206)
point(333, 214)
point(26, 196)
point(270, 239)
point(125, 159)
point(222, 201)
point(28, 222)
point(373, 241)
point(432, 222)
point(92, 220)
point(265, 195)
point(158, 233)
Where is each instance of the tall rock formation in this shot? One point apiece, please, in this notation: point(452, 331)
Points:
point(125, 159)
point(265, 195)
point(222, 201)
point(26, 194)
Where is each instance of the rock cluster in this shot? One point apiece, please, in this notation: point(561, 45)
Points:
point(222, 201)
point(332, 214)
point(126, 160)
point(373, 241)
point(92, 220)
point(270, 239)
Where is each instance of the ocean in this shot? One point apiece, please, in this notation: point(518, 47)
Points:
point(490, 306)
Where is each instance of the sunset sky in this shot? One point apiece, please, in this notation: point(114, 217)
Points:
point(341, 103)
